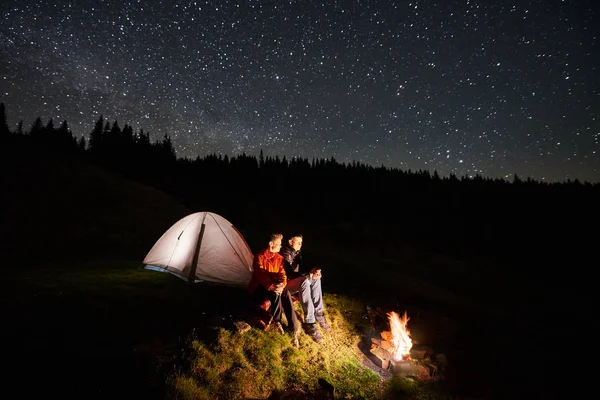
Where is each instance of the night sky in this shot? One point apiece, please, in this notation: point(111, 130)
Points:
point(484, 87)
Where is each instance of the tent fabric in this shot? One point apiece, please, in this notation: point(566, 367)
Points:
point(222, 254)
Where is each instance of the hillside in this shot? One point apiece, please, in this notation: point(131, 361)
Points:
point(67, 209)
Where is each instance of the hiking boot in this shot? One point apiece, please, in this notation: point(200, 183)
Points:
point(322, 321)
point(312, 331)
point(278, 327)
point(294, 337)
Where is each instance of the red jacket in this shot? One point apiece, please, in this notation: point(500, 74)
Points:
point(268, 269)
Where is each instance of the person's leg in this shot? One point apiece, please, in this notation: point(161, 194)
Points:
point(288, 307)
point(276, 306)
point(293, 285)
point(317, 296)
point(258, 296)
point(308, 305)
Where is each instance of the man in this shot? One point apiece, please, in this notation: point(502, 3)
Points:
point(308, 285)
point(269, 282)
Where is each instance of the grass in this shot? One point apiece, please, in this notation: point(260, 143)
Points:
point(109, 329)
point(115, 329)
point(264, 364)
point(101, 328)
point(112, 329)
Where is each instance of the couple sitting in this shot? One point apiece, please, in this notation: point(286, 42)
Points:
point(277, 276)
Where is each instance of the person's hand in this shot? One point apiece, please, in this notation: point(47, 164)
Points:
point(277, 288)
point(315, 273)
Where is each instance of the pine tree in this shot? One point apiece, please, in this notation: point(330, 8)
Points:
point(37, 128)
point(4, 131)
point(97, 136)
point(167, 149)
point(65, 137)
point(81, 145)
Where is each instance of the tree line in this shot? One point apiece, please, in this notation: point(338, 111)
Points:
point(113, 146)
point(386, 205)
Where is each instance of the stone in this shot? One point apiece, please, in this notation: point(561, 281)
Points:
point(381, 357)
point(440, 360)
point(326, 390)
point(242, 326)
point(420, 352)
point(412, 368)
point(431, 367)
point(417, 354)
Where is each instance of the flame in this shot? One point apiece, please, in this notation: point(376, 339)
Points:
point(401, 336)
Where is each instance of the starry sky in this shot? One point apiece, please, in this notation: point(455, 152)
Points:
point(468, 87)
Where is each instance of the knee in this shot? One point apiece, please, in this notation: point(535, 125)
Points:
point(305, 284)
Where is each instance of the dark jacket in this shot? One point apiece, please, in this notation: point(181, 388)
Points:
point(293, 262)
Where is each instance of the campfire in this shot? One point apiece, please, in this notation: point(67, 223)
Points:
point(396, 351)
point(400, 339)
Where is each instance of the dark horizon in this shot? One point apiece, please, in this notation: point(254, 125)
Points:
point(83, 141)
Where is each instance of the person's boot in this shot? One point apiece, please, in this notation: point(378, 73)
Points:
point(276, 325)
point(294, 336)
point(320, 317)
point(312, 331)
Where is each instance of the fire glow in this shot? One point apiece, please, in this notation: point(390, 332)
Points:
point(401, 340)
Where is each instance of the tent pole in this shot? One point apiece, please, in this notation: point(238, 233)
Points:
point(191, 277)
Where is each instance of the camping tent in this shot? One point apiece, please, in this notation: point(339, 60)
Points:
point(202, 247)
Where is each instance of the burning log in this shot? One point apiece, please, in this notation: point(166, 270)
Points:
point(384, 344)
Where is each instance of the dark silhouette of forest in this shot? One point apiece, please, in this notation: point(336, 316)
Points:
point(519, 222)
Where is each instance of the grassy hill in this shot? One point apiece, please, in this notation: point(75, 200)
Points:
point(74, 298)
point(69, 209)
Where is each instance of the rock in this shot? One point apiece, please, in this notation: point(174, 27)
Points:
point(431, 366)
point(326, 390)
point(420, 352)
point(242, 326)
point(381, 357)
point(441, 360)
point(293, 393)
point(406, 368)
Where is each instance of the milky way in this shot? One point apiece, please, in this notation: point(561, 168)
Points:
point(465, 87)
